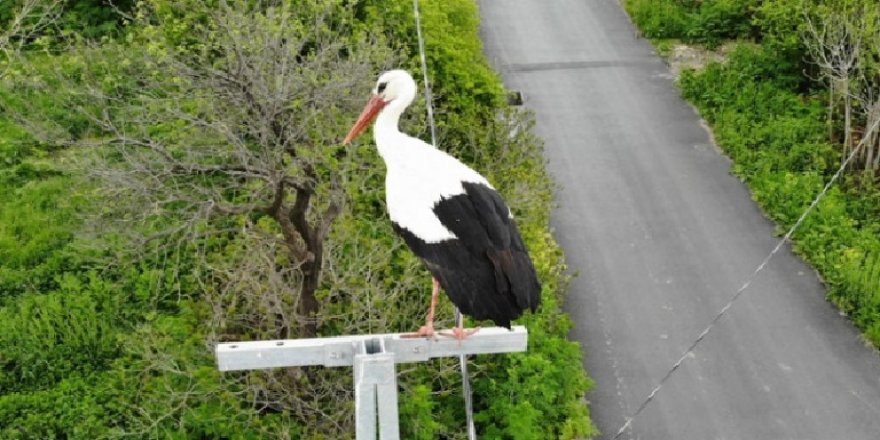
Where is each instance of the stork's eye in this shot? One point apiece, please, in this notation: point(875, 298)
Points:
point(381, 87)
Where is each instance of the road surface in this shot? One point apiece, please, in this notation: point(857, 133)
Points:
point(662, 236)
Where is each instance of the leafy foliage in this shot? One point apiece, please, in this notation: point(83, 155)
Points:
point(88, 18)
point(102, 340)
point(706, 22)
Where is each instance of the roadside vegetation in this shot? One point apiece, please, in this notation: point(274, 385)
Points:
point(171, 176)
point(798, 91)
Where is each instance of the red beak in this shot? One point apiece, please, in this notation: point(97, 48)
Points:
point(367, 115)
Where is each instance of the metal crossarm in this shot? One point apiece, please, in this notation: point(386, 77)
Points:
point(339, 351)
point(374, 358)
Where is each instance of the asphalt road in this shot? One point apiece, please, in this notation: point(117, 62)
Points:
point(662, 236)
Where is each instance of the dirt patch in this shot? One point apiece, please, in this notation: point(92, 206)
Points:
point(683, 56)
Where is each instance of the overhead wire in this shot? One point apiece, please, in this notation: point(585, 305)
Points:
point(428, 96)
point(459, 318)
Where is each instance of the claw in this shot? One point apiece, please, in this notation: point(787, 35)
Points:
point(425, 331)
point(460, 333)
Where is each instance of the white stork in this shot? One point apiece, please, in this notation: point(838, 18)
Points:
point(450, 216)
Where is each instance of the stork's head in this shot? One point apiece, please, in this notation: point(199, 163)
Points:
point(393, 86)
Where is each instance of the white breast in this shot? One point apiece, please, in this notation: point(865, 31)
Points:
point(418, 177)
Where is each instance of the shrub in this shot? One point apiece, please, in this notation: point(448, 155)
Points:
point(707, 22)
point(719, 20)
point(45, 338)
point(659, 18)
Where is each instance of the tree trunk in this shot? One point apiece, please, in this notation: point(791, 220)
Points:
point(875, 146)
point(305, 248)
point(869, 139)
point(872, 143)
point(308, 302)
point(831, 110)
point(847, 120)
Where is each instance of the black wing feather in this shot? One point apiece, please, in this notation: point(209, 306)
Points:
point(487, 271)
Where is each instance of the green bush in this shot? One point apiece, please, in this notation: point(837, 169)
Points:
point(45, 338)
point(719, 20)
point(780, 25)
point(659, 18)
point(706, 22)
point(89, 18)
point(37, 221)
point(75, 408)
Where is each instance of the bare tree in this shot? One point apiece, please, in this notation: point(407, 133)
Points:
point(834, 42)
point(868, 96)
point(30, 19)
point(843, 41)
point(228, 124)
point(868, 99)
point(871, 137)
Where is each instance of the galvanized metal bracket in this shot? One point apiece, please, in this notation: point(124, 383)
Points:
point(374, 358)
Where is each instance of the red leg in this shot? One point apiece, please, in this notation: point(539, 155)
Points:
point(427, 330)
point(435, 298)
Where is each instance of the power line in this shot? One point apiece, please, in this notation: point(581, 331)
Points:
point(459, 318)
point(428, 96)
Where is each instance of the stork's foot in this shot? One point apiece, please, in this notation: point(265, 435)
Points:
point(460, 333)
point(425, 331)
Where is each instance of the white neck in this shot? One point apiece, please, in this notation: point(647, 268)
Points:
point(386, 127)
point(386, 131)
